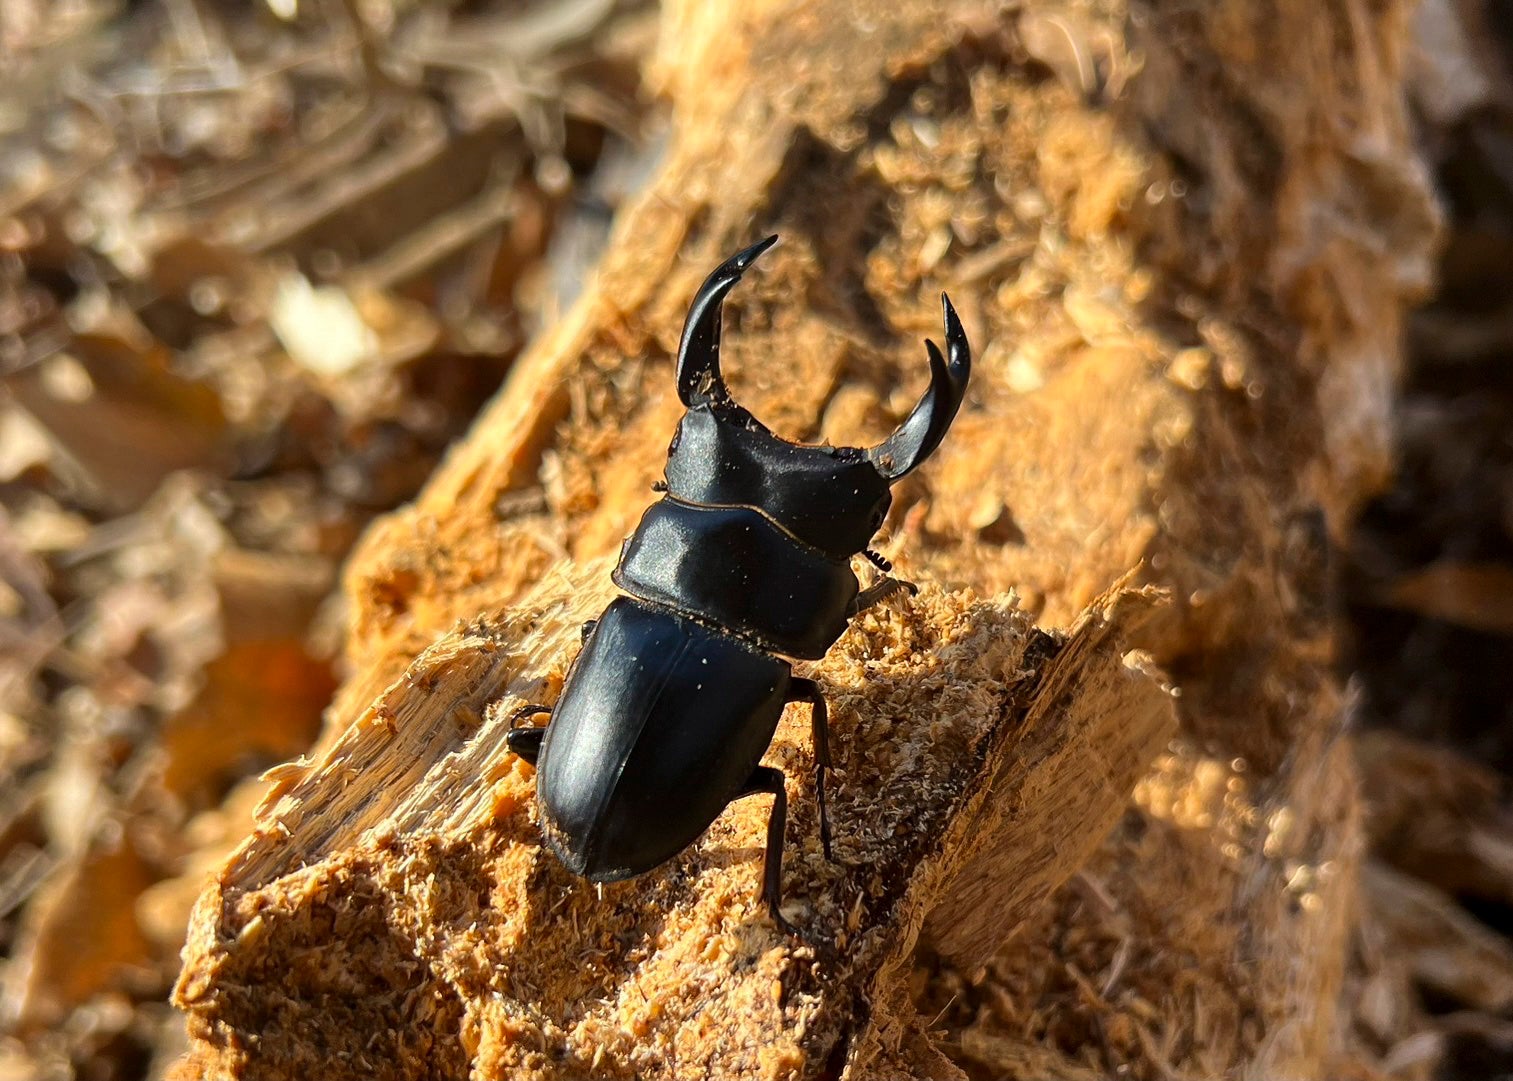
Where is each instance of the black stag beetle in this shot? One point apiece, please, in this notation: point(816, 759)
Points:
point(745, 561)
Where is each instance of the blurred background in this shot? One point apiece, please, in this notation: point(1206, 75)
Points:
point(260, 263)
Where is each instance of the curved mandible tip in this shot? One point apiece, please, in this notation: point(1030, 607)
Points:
point(924, 428)
point(699, 379)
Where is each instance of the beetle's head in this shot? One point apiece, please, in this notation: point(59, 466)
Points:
point(833, 498)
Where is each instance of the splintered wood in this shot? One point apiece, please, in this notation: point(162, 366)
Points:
point(409, 848)
point(1185, 336)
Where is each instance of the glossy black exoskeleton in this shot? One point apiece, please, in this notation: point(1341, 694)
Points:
point(745, 561)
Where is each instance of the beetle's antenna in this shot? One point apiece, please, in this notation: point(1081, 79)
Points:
point(699, 379)
point(919, 435)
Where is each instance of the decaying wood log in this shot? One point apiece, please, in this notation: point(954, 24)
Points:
point(1181, 242)
point(414, 824)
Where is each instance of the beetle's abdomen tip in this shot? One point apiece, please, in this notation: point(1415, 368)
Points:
point(583, 861)
point(569, 850)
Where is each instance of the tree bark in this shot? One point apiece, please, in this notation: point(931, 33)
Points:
point(1181, 241)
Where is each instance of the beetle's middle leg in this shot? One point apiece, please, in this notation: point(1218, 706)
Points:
point(526, 742)
point(768, 779)
point(806, 690)
point(884, 587)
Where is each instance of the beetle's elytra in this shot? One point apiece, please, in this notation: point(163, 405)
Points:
point(744, 562)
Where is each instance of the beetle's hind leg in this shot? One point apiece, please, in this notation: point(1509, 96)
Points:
point(806, 690)
point(884, 587)
point(768, 779)
point(526, 742)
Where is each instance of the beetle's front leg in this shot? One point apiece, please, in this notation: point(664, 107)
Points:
point(526, 742)
point(884, 587)
point(768, 779)
point(806, 690)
